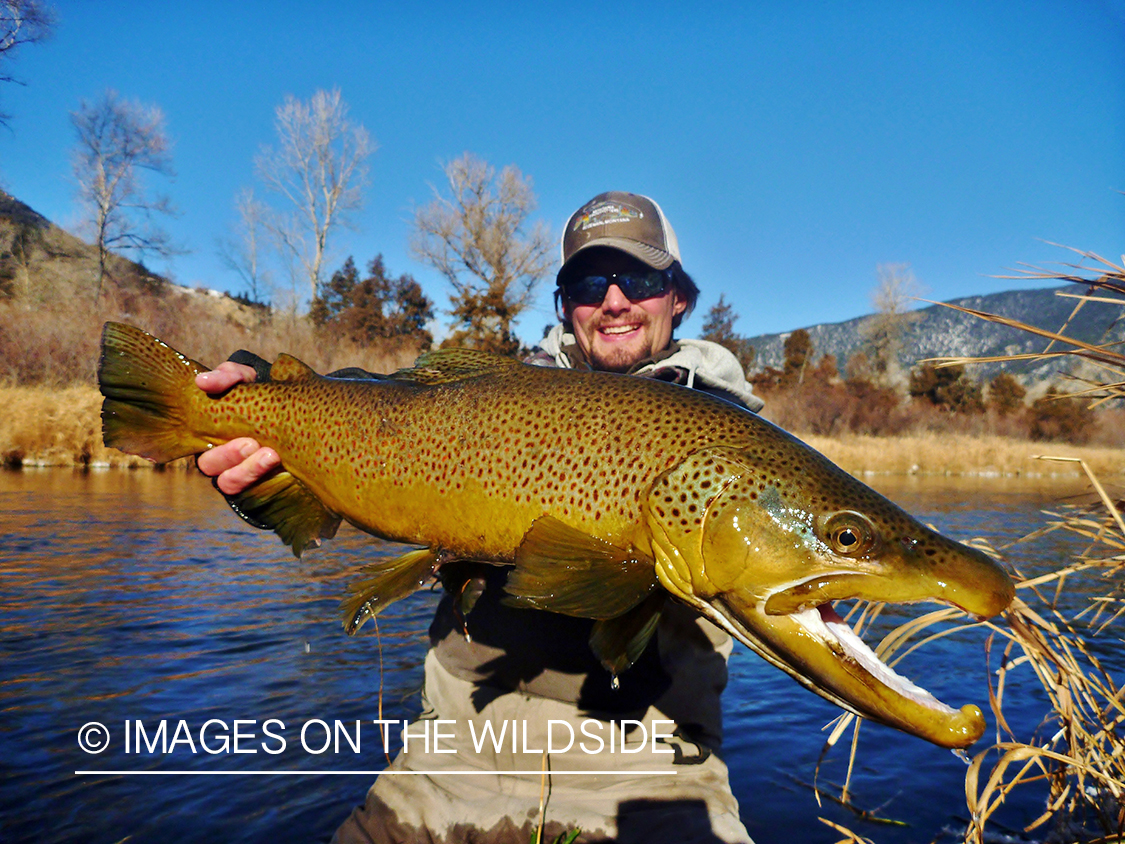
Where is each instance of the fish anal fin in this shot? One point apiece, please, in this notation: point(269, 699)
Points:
point(289, 368)
point(283, 504)
point(444, 365)
point(384, 583)
point(619, 642)
point(565, 570)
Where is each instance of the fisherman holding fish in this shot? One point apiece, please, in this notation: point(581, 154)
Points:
point(622, 292)
point(600, 538)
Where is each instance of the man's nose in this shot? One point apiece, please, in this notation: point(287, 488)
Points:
point(615, 301)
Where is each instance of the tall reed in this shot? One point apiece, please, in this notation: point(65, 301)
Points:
point(1078, 751)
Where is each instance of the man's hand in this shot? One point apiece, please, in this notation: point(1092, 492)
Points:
point(239, 463)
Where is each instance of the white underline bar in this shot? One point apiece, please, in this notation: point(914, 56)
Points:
point(368, 773)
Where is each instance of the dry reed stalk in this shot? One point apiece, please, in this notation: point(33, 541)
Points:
point(1081, 756)
point(1079, 752)
point(849, 836)
point(1109, 360)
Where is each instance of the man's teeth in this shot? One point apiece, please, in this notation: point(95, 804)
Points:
point(618, 329)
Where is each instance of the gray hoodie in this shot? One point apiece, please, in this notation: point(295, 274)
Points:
point(698, 364)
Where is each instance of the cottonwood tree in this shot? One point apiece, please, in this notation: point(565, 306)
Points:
point(477, 237)
point(244, 252)
point(884, 330)
point(119, 141)
point(798, 351)
point(21, 22)
point(319, 170)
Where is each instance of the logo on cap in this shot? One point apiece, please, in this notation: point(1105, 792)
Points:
point(605, 214)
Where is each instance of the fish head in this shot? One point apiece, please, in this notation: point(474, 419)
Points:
point(763, 539)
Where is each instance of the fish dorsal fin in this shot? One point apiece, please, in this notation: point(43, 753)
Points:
point(619, 642)
point(565, 570)
point(288, 368)
point(384, 583)
point(444, 365)
point(283, 504)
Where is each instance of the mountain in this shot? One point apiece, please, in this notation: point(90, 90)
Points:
point(938, 331)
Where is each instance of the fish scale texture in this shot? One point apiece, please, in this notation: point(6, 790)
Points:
point(585, 447)
point(519, 442)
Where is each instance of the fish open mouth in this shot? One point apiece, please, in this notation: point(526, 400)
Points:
point(826, 623)
point(822, 652)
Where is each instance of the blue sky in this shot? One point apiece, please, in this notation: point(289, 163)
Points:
point(794, 145)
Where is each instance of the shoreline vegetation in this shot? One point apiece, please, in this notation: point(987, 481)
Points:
point(61, 427)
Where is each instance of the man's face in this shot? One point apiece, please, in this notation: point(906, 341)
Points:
point(618, 333)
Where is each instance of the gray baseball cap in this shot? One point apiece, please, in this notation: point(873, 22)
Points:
point(626, 221)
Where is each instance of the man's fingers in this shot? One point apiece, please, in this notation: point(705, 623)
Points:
point(247, 473)
point(224, 376)
point(226, 456)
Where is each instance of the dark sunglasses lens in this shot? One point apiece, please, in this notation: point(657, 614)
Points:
point(587, 289)
point(643, 286)
point(591, 289)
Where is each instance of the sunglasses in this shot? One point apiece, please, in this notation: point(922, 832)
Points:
point(636, 285)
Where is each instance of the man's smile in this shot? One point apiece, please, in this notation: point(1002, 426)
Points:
point(618, 330)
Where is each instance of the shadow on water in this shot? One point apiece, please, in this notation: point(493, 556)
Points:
point(138, 596)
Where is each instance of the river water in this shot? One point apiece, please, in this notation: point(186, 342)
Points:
point(138, 596)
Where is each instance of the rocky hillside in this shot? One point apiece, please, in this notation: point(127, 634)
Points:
point(937, 331)
point(41, 262)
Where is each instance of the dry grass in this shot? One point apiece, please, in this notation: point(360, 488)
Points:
point(55, 427)
point(1078, 750)
point(935, 453)
point(57, 343)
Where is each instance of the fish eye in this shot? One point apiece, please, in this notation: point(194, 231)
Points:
point(849, 534)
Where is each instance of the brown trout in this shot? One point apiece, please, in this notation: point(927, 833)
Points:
point(606, 494)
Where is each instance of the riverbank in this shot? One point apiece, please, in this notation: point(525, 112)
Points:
point(62, 427)
point(44, 426)
point(965, 454)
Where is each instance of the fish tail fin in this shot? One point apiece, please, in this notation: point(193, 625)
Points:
point(148, 392)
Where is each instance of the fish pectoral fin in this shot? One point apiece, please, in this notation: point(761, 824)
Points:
point(283, 504)
point(384, 583)
point(463, 580)
point(619, 642)
point(565, 570)
point(288, 368)
point(443, 365)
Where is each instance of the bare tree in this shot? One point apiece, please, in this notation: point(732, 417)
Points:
point(320, 168)
point(21, 22)
point(243, 253)
point(884, 329)
point(476, 238)
point(118, 140)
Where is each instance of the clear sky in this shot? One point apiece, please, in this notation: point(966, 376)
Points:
point(793, 145)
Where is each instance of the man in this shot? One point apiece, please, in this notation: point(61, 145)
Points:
point(622, 291)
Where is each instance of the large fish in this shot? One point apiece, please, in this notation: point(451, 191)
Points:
point(607, 493)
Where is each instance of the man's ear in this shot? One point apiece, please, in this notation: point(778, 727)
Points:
point(563, 308)
point(679, 303)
